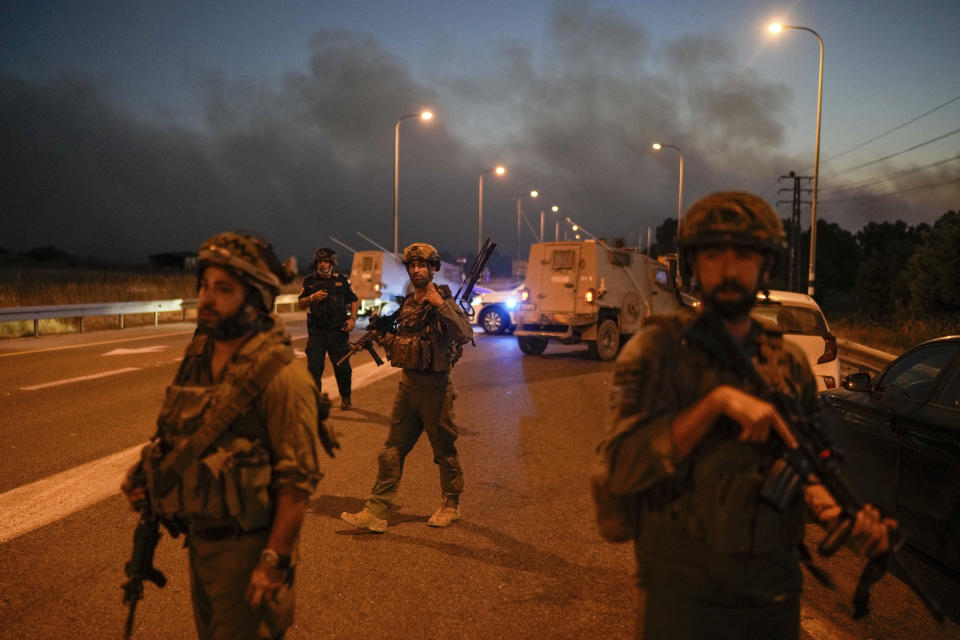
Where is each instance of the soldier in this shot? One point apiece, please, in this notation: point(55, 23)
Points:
point(327, 294)
point(685, 451)
point(426, 344)
point(235, 456)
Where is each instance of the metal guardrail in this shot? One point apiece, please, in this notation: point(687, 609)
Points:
point(119, 309)
point(862, 357)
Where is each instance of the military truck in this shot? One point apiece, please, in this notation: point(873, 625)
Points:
point(590, 292)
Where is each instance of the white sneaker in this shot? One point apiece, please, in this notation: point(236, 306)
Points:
point(445, 515)
point(365, 520)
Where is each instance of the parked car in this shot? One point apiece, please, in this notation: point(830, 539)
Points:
point(802, 322)
point(900, 433)
point(495, 310)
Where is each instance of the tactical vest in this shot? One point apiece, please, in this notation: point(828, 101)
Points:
point(331, 312)
point(420, 342)
point(228, 483)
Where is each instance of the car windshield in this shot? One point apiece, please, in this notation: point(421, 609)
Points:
point(789, 319)
point(914, 374)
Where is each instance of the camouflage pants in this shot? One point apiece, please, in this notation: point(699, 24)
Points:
point(334, 342)
point(219, 573)
point(424, 402)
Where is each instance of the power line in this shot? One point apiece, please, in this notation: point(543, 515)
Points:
point(893, 193)
point(886, 133)
point(893, 155)
point(890, 177)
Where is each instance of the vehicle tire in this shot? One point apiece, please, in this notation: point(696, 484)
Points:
point(494, 321)
point(607, 344)
point(531, 346)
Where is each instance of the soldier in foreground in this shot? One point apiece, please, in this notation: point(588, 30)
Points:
point(427, 342)
point(688, 445)
point(327, 294)
point(235, 457)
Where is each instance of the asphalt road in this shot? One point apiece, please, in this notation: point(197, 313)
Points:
point(524, 562)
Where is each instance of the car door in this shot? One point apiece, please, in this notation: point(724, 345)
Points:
point(927, 500)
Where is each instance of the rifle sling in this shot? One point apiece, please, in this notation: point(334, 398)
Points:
point(176, 462)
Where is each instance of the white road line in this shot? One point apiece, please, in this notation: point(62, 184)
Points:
point(53, 498)
point(39, 503)
point(93, 376)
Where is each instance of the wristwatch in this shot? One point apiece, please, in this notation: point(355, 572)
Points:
point(274, 560)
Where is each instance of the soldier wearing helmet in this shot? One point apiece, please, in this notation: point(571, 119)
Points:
point(235, 455)
point(680, 469)
point(331, 317)
point(425, 344)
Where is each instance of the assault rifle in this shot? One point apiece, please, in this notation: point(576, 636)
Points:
point(465, 291)
point(140, 567)
point(378, 326)
point(814, 457)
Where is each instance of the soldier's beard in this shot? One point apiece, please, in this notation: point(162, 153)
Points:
point(235, 325)
point(730, 308)
point(325, 272)
point(419, 282)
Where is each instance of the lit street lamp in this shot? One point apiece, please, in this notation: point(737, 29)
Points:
point(556, 231)
point(533, 194)
point(499, 170)
point(657, 146)
point(576, 227)
point(811, 274)
point(424, 115)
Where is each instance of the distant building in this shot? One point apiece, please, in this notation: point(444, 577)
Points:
point(182, 260)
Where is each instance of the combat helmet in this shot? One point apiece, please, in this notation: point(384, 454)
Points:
point(732, 218)
point(421, 251)
point(251, 259)
point(325, 253)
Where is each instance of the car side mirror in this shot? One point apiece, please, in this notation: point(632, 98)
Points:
point(856, 382)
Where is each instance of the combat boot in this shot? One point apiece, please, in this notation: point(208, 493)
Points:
point(365, 520)
point(447, 514)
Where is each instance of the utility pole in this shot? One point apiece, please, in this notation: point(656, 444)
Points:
point(794, 278)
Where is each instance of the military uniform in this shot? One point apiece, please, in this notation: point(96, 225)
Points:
point(325, 322)
point(707, 544)
point(224, 500)
point(425, 345)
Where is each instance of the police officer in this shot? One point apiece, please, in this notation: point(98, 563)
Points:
point(328, 295)
point(428, 339)
point(685, 454)
point(235, 456)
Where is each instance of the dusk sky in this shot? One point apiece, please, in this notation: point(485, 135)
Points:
point(131, 128)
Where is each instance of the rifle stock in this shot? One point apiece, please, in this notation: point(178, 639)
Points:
point(814, 457)
point(462, 298)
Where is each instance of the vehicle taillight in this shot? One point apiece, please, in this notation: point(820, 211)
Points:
point(376, 287)
point(829, 382)
point(829, 350)
point(524, 294)
point(590, 295)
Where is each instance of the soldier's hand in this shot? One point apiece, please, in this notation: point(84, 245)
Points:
point(349, 325)
point(756, 417)
point(265, 582)
point(136, 495)
point(871, 533)
point(433, 295)
point(317, 296)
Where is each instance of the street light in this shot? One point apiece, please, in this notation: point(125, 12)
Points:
point(776, 27)
point(423, 115)
point(556, 232)
point(657, 146)
point(576, 227)
point(499, 170)
point(533, 194)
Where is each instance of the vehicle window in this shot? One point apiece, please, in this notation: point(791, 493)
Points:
point(563, 259)
point(801, 320)
point(915, 374)
point(951, 393)
point(367, 264)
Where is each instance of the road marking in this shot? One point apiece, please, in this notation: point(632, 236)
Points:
point(39, 503)
point(93, 376)
point(152, 336)
point(53, 498)
point(127, 352)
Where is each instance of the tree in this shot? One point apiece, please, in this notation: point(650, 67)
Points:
point(882, 277)
point(665, 238)
point(838, 258)
point(933, 272)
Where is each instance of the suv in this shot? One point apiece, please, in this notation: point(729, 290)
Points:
point(802, 322)
point(496, 310)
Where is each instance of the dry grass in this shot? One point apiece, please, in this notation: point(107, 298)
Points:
point(891, 337)
point(29, 286)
